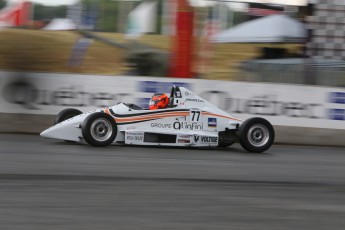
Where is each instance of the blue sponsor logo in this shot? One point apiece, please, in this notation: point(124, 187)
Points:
point(212, 122)
point(336, 113)
point(337, 97)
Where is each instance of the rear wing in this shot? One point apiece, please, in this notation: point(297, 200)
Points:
point(181, 97)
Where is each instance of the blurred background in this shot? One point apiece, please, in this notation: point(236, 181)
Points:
point(273, 41)
point(139, 38)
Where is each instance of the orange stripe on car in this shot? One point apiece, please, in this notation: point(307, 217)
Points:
point(151, 116)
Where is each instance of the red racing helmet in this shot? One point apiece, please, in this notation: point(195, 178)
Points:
point(159, 101)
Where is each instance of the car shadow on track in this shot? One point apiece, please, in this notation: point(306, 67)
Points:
point(236, 148)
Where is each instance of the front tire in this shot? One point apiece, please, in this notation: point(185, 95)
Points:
point(99, 129)
point(256, 135)
point(66, 114)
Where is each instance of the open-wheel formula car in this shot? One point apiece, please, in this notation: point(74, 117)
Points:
point(189, 120)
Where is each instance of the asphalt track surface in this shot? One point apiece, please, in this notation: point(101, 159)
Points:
point(48, 184)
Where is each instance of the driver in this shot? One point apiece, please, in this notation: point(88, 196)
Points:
point(159, 101)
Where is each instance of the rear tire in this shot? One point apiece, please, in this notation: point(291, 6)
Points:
point(66, 114)
point(99, 129)
point(256, 135)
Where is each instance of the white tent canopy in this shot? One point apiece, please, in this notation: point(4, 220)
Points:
point(61, 24)
point(142, 19)
point(270, 29)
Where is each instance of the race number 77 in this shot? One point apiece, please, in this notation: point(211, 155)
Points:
point(194, 115)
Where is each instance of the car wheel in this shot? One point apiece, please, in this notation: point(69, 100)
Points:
point(66, 114)
point(99, 129)
point(256, 135)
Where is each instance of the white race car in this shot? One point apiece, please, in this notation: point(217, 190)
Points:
point(189, 120)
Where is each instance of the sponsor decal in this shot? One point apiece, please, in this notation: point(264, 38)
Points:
point(209, 139)
point(205, 139)
point(185, 138)
point(32, 97)
point(161, 125)
point(187, 125)
point(135, 136)
point(212, 122)
point(336, 114)
point(183, 141)
point(265, 105)
point(337, 99)
point(195, 100)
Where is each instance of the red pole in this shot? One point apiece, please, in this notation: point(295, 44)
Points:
point(21, 15)
point(182, 49)
point(25, 13)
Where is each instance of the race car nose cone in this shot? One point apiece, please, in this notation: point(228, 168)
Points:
point(42, 134)
point(63, 132)
point(56, 132)
point(47, 133)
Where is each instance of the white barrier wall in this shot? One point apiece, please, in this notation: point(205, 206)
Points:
point(284, 105)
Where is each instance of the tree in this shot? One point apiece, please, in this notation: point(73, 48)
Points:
point(42, 12)
point(2, 3)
